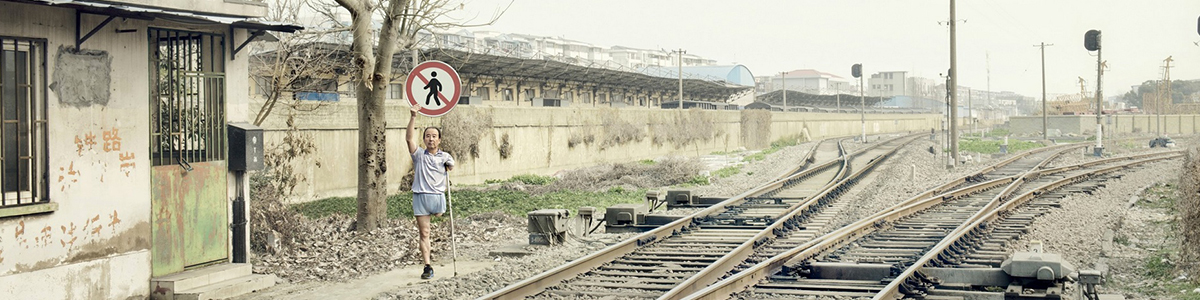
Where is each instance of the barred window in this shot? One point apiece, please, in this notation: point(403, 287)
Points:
point(187, 105)
point(23, 130)
point(396, 91)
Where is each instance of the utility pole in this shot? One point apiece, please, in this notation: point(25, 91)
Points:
point(953, 88)
point(784, 80)
point(988, 60)
point(970, 114)
point(863, 108)
point(1044, 112)
point(946, 121)
point(680, 52)
point(1099, 103)
point(1091, 42)
point(856, 71)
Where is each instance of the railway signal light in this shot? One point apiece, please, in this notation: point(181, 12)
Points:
point(856, 70)
point(1091, 40)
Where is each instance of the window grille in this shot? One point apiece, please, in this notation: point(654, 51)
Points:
point(187, 100)
point(395, 91)
point(23, 121)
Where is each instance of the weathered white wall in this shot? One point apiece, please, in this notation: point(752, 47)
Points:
point(237, 110)
point(102, 222)
point(96, 244)
point(539, 140)
point(120, 276)
point(1120, 124)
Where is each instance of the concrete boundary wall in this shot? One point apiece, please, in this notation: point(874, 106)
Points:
point(1120, 124)
point(547, 140)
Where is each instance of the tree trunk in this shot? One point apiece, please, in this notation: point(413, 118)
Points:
point(372, 159)
point(372, 114)
point(371, 203)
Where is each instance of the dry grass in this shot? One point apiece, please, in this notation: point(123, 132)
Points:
point(623, 176)
point(756, 128)
point(618, 131)
point(581, 136)
point(1189, 210)
point(685, 128)
point(462, 131)
point(272, 186)
point(505, 147)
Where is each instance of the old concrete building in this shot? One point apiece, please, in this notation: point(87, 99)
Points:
point(116, 180)
point(887, 84)
point(806, 81)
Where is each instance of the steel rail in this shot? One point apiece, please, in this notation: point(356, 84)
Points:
point(746, 279)
point(749, 277)
point(540, 282)
point(713, 272)
point(994, 209)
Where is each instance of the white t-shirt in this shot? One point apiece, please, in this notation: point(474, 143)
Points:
point(429, 171)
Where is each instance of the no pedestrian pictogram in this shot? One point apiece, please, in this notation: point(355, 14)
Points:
point(434, 86)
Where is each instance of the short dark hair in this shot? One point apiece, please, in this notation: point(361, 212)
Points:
point(439, 130)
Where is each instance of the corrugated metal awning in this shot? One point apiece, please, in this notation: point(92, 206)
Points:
point(258, 29)
point(150, 13)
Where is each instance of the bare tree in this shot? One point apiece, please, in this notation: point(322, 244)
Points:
point(304, 61)
point(372, 54)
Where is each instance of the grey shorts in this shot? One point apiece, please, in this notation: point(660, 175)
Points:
point(428, 204)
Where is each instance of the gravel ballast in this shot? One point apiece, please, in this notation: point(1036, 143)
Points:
point(1079, 231)
point(911, 171)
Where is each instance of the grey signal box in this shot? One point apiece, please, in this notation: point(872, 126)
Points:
point(245, 147)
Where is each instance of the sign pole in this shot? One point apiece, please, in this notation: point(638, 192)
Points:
point(453, 239)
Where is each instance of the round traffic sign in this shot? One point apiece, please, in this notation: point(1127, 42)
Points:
point(434, 86)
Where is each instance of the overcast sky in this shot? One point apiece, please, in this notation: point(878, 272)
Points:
point(888, 35)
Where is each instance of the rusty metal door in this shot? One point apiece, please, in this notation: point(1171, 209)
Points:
point(190, 222)
point(189, 189)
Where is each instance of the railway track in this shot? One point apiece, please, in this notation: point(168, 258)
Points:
point(1015, 165)
point(975, 244)
point(885, 252)
point(699, 248)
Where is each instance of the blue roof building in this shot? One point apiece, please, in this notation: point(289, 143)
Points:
point(734, 75)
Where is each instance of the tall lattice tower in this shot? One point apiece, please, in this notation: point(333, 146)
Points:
point(1164, 101)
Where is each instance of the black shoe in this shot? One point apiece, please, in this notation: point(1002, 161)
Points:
point(428, 272)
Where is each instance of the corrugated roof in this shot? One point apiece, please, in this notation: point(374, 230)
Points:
point(150, 13)
point(810, 73)
point(476, 64)
point(737, 75)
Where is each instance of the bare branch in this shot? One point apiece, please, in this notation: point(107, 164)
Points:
point(357, 8)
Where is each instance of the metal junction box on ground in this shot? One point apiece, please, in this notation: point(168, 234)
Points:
point(548, 226)
point(622, 215)
point(245, 147)
point(685, 198)
point(679, 198)
point(1042, 266)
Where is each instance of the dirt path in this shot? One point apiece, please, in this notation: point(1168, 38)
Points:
point(366, 288)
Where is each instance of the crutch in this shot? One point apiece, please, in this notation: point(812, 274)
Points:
point(450, 208)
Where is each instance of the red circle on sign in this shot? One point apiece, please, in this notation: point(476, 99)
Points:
point(417, 71)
